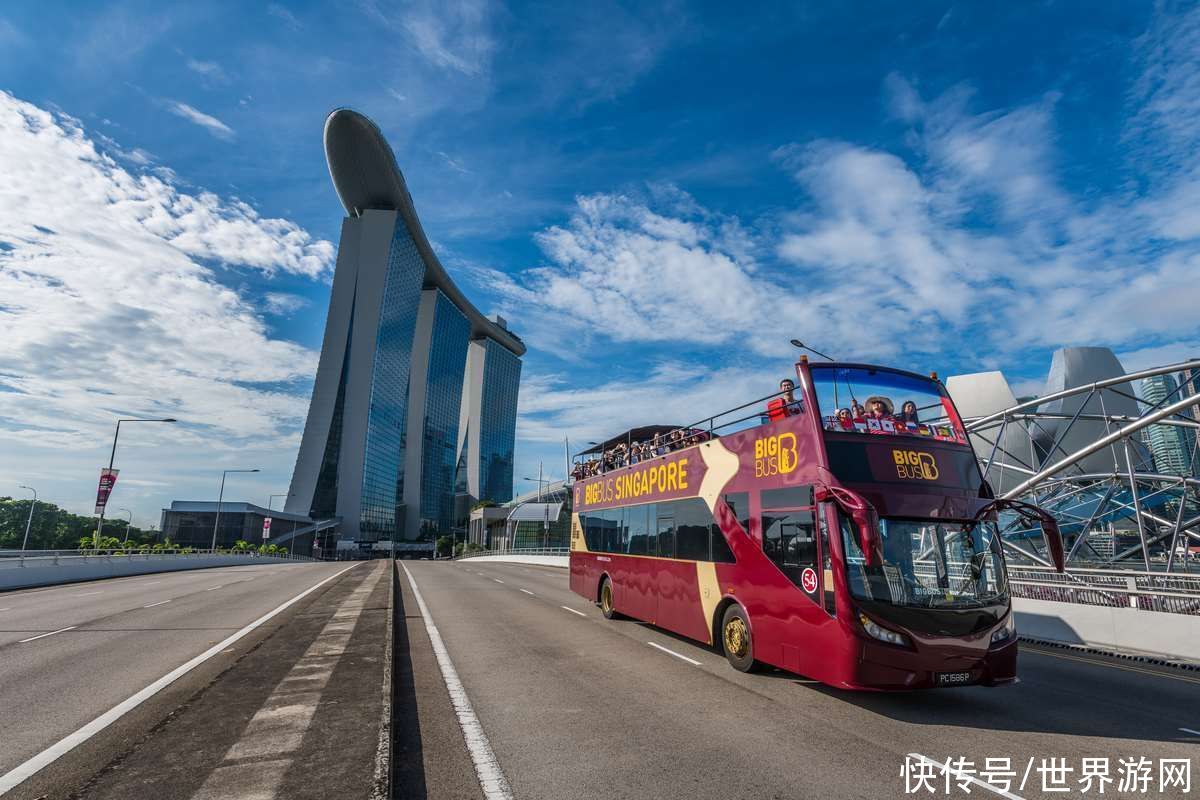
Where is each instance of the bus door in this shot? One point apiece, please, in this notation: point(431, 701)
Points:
point(684, 529)
point(792, 539)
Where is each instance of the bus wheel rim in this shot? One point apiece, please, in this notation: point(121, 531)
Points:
point(606, 597)
point(737, 639)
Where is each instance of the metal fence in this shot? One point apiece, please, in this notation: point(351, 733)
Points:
point(56, 557)
point(519, 551)
point(1173, 593)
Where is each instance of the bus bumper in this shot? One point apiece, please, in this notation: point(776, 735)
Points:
point(887, 668)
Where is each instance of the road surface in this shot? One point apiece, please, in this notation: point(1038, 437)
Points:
point(70, 653)
point(573, 705)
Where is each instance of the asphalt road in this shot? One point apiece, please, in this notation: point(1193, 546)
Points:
point(70, 653)
point(577, 706)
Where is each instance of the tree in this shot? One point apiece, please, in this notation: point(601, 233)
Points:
point(443, 545)
point(53, 528)
point(241, 546)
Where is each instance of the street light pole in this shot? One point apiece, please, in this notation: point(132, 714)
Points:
point(270, 502)
point(220, 498)
point(28, 521)
point(127, 527)
point(112, 457)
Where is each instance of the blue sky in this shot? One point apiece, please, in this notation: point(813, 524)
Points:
point(657, 196)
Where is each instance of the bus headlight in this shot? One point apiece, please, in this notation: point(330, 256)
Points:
point(881, 633)
point(1006, 631)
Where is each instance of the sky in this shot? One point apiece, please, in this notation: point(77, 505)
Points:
point(657, 196)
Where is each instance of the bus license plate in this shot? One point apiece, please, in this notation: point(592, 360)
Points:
point(953, 678)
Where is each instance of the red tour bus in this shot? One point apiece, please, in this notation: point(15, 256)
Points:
point(843, 533)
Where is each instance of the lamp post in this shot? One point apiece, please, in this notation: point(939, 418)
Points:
point(28, 521)
point(220, 498)
point(801, 345)
point(128, 526)
point(270, 502)
point(112, 457)
point(545, 511)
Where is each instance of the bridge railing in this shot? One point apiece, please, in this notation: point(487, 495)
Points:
point(1172, 593)
point(8, 557)
point(518, 551)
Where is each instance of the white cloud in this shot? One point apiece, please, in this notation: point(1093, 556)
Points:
point(208, 69)
point(450, 34)
point(108, 308)
point(283, 304)
point(207, 121)
point(282, 13)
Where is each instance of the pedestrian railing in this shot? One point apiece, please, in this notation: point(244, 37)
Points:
point(519, 551)
point(55, 557)
point(1173, 593)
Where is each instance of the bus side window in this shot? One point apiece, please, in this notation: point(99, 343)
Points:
point(693, 521)
point(739, 504)
point(592, 530)
point(666, 533)
point(639, 522)
point(614, 530)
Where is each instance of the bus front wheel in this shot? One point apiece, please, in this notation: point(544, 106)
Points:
point(736, 640)
point(606, 600)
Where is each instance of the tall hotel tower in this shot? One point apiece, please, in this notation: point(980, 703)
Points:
point(413, 413)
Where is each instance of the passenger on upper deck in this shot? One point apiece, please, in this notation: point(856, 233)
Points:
point(844, 420)
point(786, 404)
point(879, 407)
point(908, 413)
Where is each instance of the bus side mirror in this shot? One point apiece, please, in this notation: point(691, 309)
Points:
point(1054, 543)
point(866, 520)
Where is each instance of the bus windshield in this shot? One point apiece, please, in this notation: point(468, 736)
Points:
point(867, 400)
point(929, 564)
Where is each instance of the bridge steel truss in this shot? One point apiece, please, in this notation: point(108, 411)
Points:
point(1115, 511)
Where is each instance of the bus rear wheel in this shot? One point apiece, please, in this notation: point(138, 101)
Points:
point(606, 600)
point(736, 640)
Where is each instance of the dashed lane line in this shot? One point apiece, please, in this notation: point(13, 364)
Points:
point(526, 591)
point(51, 633)
point(209, 589)
point(159, 603)
point(487, 768)
point(573, 611)
point(691, 661)
point(18, 774)
point(497, 580)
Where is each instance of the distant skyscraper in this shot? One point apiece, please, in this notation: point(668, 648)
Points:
point(405, 359)
point(1170, 445)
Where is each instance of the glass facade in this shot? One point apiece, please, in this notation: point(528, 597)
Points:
point(443, 400)
point(383, 457)
point(498, 422)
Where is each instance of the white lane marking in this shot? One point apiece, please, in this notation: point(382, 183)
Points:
point(526, 591)
point(51, 633)
point(6, 608)
point(1185, 730)
point(966, 777)
point(87, 594)
point(573, 611)
point(68, 743)
point(487, 768)
point(691, 661)
point(159, 603)
point(209, 589)
point(497, 580)
point(149, 583)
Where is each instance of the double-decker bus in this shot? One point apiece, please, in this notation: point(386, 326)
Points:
point(843, 532)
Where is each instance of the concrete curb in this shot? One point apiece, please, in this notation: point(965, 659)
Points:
point(382, 789)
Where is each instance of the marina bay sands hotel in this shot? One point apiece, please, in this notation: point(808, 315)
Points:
point(413, 413)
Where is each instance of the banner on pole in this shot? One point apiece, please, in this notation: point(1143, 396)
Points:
point(108, 479)
point(266, 527)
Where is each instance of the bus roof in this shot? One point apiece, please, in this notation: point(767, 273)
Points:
point(639, 434)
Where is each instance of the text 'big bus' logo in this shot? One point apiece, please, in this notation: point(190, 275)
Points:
point(915, 464)
point(774, 455)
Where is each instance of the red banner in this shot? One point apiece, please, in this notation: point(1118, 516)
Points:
point(266, 527)
point(108, 479)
